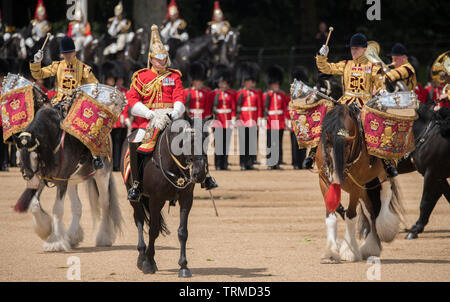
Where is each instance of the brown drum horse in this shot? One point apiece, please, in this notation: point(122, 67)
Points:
point(343, 162)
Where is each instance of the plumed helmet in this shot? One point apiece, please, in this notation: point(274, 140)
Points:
point(221, 72)
point(157, 49)
point(274, 74)
point(40, 10)
point(217, 13)
point(67, 45)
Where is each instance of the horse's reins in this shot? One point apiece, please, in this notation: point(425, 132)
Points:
point(182, 183)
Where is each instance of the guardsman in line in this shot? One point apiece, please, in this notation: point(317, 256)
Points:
point(198, 102)
point(249, 113)
point(70, 74)
point(224, 110)
point(276, 114)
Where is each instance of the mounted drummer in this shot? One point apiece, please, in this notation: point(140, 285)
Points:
point(361, 79)
point(403, 70)
point(70, 74)
point(173, 29)
point(39, 26)
point(118, 31)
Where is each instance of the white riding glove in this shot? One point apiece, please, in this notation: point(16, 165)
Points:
point(178, 110)
point(38, 56)
point(141, 110)
point(324, 50)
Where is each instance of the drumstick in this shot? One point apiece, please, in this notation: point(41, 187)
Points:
point(45, 42)
point(329, 34)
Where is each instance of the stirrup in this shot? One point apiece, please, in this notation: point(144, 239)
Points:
point(133, 193)
point(98, 163)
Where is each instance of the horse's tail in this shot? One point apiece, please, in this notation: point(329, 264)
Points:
point(113, 210)
point(163, 228)
point(392, 212)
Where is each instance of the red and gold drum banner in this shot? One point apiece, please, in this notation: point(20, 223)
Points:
point(17, 110)
point(387, 135)
point(307, 122)
point(91, 122)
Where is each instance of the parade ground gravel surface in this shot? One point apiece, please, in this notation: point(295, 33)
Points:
point(271, 227)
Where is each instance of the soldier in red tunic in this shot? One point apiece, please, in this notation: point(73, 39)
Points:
point(276, 114)
point(249, 112)
point(156, 90)
point(224, 111)
point(198, 102)
point(198, 98)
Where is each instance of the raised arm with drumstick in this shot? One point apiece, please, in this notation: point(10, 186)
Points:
point(325, 49)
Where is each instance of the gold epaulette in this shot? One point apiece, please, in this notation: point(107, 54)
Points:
point(135, 79)
point(182, 25)
point(176, 71)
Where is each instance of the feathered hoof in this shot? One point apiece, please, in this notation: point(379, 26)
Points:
point(75, 238)
point(348, 254)
point(149, 268)
point(184, 273)
point(57, 246)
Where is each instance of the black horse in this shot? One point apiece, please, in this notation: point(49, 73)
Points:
point(200, 48)
point(169, 175)
point(55, 157)
point(431, 159)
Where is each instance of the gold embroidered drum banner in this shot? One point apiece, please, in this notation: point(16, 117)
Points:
point(91, 122)
point(307, 121)
point(17, 110)
point(388, 135)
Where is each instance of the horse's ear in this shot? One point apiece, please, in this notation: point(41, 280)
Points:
point(188, 118)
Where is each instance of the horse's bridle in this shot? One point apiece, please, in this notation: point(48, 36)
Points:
point(182, 181)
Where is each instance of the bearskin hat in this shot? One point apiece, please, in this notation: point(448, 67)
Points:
point(300, 73)
point(247, 71)
point(197, 71)
point(221, 72)
point(4, 67)
point(274, 74)
point(109, 70)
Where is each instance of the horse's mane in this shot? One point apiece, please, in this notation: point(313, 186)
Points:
point(332, 123)
point(46, 128)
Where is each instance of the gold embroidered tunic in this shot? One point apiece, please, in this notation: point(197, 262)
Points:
point(360, 78)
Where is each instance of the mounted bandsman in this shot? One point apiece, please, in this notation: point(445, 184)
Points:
point(39, 25)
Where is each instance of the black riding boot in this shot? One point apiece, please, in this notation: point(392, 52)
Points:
point(308, 162)
point(209, 182)
point(97, 162)
point(390, 168)
point(134, 193)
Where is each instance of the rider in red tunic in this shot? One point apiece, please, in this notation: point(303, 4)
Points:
point(154, 92)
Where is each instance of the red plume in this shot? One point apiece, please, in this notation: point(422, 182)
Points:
point(333, 198)
point(171, 4)
point(40, 3)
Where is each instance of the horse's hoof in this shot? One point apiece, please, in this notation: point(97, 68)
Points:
point(140, 262)
point(330, 260)
point(149, 268)
point(411, 235)
point(184, 273)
